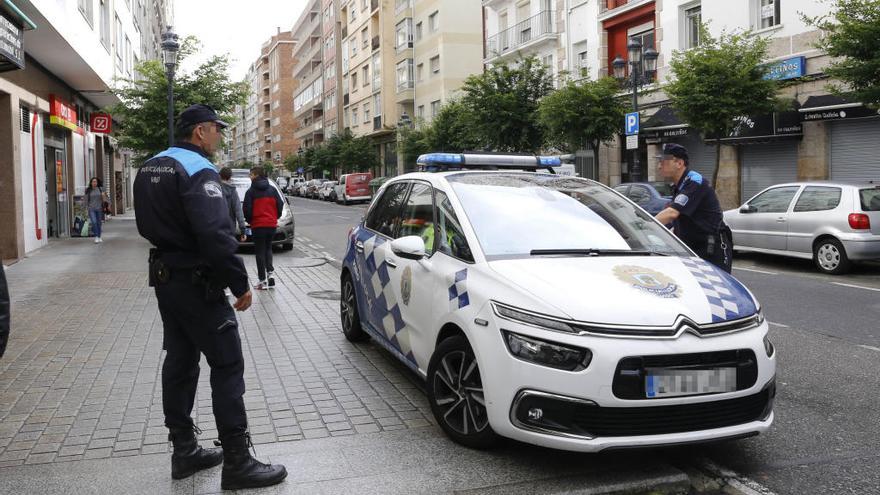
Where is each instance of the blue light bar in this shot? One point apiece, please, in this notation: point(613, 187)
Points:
point(550, 161)
point(431, 158)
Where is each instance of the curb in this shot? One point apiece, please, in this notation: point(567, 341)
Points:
point(708, 477)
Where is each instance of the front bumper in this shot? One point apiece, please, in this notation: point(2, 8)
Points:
point(595, 418)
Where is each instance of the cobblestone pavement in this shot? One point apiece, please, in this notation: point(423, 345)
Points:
point(81, 376)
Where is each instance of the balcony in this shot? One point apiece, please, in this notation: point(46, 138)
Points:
point(375, 43)
point(611, 8)
point(522, 35)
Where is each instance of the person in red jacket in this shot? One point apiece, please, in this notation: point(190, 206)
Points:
point(262, 208)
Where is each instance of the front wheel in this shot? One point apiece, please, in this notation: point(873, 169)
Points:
point(455, 391)
point(830, 257)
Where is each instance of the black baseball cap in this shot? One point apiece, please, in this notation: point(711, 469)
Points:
point(198, 113)
point(675, 151)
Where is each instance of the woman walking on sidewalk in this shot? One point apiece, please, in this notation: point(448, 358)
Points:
point(262, 209)
point(95, 197)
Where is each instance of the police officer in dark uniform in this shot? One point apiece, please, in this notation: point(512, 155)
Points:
point(694, 211)
point(180, 209)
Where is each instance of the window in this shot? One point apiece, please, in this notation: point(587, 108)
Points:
point(645, 35)
point(365, 74)
point(354, 81)
point(365, 4)
point(639, 195)
point(433, 21)
point(435, 108)
point(404, 34)
point(366, 113)
point(767, 13)
point(774, 200)
point(365, 38)
point(417, 216)
point(582, 60)
point(354, 46)
point(692, 19)
point(120, 44)
point(421, 72)
point(354, 117)
point(404, 75)
point(128, 55)
point(353, 9)
point(816, 198)
point(449, 235)
point(435, 64)
point(85, 7)
point(420, 113)
point(105, 24)
point(385, 215)
point(418, 31)
point(377, 72)
point(548, 62)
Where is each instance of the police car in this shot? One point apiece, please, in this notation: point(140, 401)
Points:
point(553, 310)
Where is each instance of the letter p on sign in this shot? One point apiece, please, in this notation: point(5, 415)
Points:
point(101, 123)
point(632, 123)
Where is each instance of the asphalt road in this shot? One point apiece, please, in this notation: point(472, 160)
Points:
point(826, 436)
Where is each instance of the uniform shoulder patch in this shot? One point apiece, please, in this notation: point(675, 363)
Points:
point(212, 189)
point(681, 200)
point(695, 177)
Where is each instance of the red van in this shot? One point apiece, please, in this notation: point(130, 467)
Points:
point(353, 187)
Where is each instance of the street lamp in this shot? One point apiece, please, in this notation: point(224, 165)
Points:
point(641, 73)
point(404, 122)
point(170, 46)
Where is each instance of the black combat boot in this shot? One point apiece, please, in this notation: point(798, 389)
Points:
point(188, 457)
point(240, 470)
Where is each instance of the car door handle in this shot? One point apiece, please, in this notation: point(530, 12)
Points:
point(390, 263)
point(359, 246)
point(780, 220)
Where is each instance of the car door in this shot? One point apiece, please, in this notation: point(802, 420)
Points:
point(766, 225)
point(813, 208)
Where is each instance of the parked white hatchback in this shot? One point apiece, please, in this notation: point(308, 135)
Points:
point(553, 310)
point(833, 223)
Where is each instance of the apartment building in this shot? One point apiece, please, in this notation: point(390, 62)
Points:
point(308, 71)
point(65, 57)
point(332, 67)
point(277, 87)
point(438, 44)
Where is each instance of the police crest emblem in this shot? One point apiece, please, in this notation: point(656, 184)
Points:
point(406, 285)
point(648, 280)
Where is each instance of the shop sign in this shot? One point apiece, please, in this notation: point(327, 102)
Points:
point(790, 68)
point(60, 113)
point(766, 126)
point(59, 176)
point(676, 131)
point(11, 47)
point(853, 112)
point(101, 123)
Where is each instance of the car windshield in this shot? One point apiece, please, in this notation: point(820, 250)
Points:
point(517, 215)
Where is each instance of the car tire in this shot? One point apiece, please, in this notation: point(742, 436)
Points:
point(344, 200)
point(455, 391)
point(333, 197)
point(348, 312)
point(830, 256)
point(287, 246)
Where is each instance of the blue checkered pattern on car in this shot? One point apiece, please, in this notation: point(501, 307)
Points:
point(728, 299)
point(458, 296)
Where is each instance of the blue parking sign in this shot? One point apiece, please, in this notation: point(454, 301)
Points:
point(632, 123)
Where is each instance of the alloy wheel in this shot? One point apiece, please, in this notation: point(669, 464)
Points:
point(458, 393)
point(346, 305)
point(828, 256)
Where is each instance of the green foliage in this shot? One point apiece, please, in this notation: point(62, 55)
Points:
point(453, 129)
point(503, 104)
point(719, 81)
point(851, 34)
point(584, 112)
point(342, 152)
point(143, 112)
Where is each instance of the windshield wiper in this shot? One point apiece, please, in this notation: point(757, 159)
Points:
point(594, 252)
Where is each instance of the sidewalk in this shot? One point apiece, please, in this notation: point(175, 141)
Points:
point(80, 389)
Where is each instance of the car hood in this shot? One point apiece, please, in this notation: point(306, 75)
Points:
point(629, 290)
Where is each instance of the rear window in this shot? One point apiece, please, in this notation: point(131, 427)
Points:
point(870, 199)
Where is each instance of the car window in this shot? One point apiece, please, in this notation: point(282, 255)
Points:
point(451, 239)
point(385, 215)
point(639, 195)
point(663, 188)
point(870, 199)
point(417, 216)
point(774, 200)
point(815, 198)
point(622, 189)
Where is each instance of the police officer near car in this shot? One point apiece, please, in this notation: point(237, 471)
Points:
point(694, 212)
point(180, 209)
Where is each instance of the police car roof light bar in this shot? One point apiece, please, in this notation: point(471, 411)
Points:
point(438, 162)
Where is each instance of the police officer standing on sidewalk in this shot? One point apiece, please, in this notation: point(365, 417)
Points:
point(180, 209)
point(694, 211)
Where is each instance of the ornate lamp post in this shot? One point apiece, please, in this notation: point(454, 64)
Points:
point(639, 75)
point(170, 46)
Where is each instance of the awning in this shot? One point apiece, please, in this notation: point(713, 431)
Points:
point(665, 123)
point(833, 107)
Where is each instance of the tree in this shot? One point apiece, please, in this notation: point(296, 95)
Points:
point(412, 142)
point(143, 111)
point(851, 34)
point(453, 129)
point(504, 104)
point(356, 153)
point(582, 112)
point(718, 82)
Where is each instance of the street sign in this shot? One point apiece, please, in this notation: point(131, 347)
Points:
point(632, 142)
point(632, 123)
point(101, 123)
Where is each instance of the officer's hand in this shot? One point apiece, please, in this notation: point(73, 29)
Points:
point(243, 302)
point(243, 237)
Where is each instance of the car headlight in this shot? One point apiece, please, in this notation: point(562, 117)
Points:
point(768, 346)
point(759, 317)
point(533, 319)
point(550, 354)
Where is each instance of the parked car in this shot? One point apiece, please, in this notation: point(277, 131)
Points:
point(552, 311)
point(326, 190)
point(353, 187)
point(286, 226)
point(294, 184)
point(832, 223)
point(652, 196)
point(312, 186)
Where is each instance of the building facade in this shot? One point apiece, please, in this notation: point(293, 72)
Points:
point(308, 102)
point(66, 57)
point(277, 89)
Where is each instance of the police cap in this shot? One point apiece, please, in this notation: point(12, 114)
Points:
point(198, 113)
point(672, 150)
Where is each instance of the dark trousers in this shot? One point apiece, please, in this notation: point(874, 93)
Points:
point(263, 249)
point(193, 326)
point(716, 249)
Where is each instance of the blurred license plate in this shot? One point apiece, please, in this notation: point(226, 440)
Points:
point(672, 383)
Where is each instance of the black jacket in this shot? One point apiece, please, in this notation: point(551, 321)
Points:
point(5, 317)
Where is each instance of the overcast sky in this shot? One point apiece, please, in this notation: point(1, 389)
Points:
point(234, 27)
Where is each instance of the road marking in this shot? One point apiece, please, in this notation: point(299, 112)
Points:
point(342, 217)
point(778, 324)
point(870, 347)
point(754, 270)
point(305, 239)
point(316, 246)
point(856, 286)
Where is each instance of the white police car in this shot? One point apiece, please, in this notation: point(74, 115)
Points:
point(553, 310)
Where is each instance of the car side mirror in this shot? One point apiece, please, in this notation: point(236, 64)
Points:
point(411, 247)
point(748, 209)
